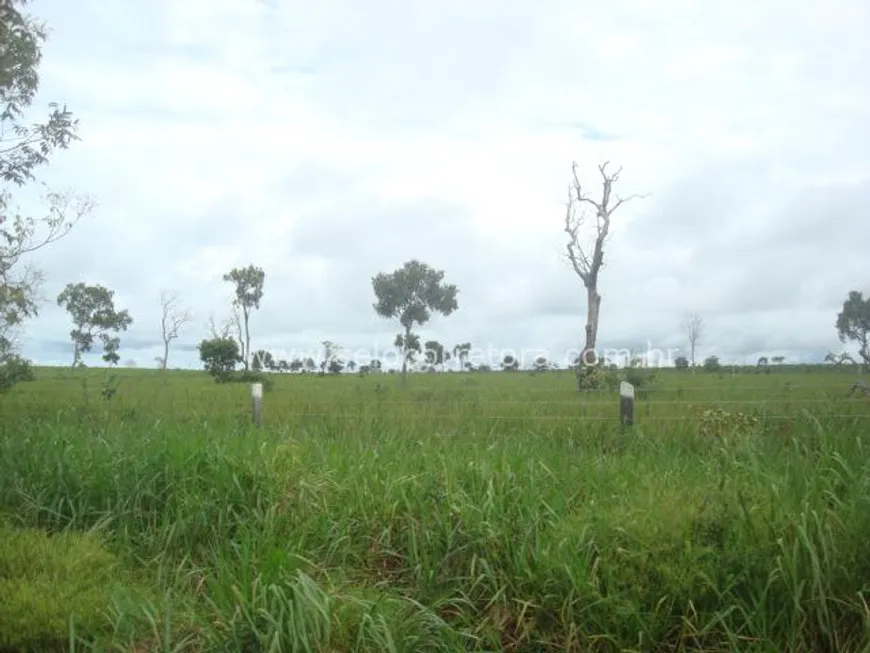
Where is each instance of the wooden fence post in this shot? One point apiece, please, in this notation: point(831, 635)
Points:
point(257, 403)
point(626, 404)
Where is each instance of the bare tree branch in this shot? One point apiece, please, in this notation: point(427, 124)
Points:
point(18, 233)
point(588, 260)
point(173, 320)
point(840, 359)
point(220, 331)
point(694, 326)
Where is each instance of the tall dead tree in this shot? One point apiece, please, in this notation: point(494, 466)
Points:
point(694, 326)
point(173, 320)
point(587, 259)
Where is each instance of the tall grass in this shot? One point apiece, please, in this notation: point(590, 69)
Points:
point(413, 521)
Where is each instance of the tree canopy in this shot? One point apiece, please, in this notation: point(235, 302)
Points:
point(411, 294)
point(93, 313)
point(24, 148)
point(248, 282)
point(219, 357)
point(853, 323)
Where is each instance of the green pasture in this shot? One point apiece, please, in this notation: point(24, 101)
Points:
point(142, 511)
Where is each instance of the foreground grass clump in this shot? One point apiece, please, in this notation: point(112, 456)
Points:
point(52, 586)
point(417, 523)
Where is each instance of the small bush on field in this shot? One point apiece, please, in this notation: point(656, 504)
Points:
point(14, 369)
point(639, 377)
point(219, 356)
point(719, 423)
point(712, 364)
point(48, 580)
point(597, 377)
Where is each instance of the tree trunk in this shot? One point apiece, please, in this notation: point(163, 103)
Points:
point(405, 355)
point(165, 354)
point(589, 357)
point(247, 341)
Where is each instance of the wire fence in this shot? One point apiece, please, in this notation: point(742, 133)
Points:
point(343, 401)
point(842, 386)
point(834, 400)
point(536, 402)
point(577, 418)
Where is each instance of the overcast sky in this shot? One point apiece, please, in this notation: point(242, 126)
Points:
point(330, 141)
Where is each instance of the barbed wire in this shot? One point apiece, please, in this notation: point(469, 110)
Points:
point(584, 418)
point(642, 409)
point(838, 380)
point(422, 403)
point(666, 402)
point(785, 387)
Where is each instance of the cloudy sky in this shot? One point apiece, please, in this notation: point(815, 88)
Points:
point(330, 141)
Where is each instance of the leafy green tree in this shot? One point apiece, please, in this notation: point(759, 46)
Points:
point(435, 353)
point(712, 364)
point(330, 352)
point(94, 315)
point(26, 148)
point(853, 323)
point(263, 359)
point(461, 352)
point(681, 363)
point(248, 283)
point(110, 350)
point(219, 356)
point(510, 363)
point(23, 149)
point(411, 294)
point(409, 345)
point(542, 364)
point(14, 369)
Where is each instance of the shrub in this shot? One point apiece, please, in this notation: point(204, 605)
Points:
point(219, 356)
point(638, 377)
point(14, 369)
point(46, 581)
point(719, 423)
point(597, 377)
point(712, 364)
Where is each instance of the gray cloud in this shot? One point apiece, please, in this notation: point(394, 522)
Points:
point(332, 143)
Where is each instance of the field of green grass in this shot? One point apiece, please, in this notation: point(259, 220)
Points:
point(464, 512)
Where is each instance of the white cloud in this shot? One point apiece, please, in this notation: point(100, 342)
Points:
point(328, 142)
